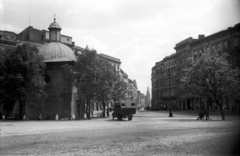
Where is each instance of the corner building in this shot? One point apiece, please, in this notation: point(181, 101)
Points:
point(164, 83)
point(227, 41)
point(187, 51)
point(183, 55)
point(190, 49)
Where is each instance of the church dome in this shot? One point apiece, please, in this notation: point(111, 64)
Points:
point(57, 52)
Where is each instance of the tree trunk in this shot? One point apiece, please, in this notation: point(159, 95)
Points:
point(221, 109)
point(103, 113)
point(207, 109)
point(82, 108)
point(21, 109)
point(88, 109)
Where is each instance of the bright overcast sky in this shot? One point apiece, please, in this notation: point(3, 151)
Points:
point(139, 32)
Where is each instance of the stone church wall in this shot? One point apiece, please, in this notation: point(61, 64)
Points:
point(59, 93)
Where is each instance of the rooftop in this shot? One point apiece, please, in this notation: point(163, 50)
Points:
point(111, 58)
point(57, 52)
point(54, 25)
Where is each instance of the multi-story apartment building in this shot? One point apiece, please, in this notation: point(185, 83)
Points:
point(183, 55)
point(164, 83)
point(115, 62)
point(132, 90)
point(157, 73)
point(132, 84)
point(228, 41)
point(189, 50)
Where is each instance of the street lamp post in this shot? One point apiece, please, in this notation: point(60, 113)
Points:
point(170, 105)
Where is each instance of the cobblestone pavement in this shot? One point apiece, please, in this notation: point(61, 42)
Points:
point(150, 133)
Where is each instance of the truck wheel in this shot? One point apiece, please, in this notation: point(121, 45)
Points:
point(119, 117)
point(130, 117)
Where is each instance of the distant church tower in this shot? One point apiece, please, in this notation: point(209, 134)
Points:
point(147, 98)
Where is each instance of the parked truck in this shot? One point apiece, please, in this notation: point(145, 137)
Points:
point(124, 110)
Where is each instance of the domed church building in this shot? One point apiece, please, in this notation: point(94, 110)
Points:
point(60, 102)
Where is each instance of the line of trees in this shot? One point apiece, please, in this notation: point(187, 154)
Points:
point(96, 80)
point(211, 77)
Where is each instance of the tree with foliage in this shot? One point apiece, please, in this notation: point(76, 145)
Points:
point(111, 86)
point(84, 75)
point(120, 89)
point(21, 76)
point(212, 77)
point(95, 79)
point(105, 82)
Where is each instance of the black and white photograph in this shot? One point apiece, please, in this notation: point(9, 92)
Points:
point(119, 77)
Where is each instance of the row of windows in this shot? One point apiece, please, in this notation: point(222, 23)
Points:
point(165, 93)
point(116, 67)
point(166, 82)
point(183, 60)
point(166, 71)
point(183, 57)
point(169, 63)
point(234, 58)
point(217, 47)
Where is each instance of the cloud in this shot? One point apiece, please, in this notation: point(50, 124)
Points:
point(94, 43)
point(1, 13)
point(134, 56)
point(190, 9)
point(139, 56)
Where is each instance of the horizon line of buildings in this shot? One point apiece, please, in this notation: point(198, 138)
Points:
point(58, 49)
point(166, 74)
point(40, 37)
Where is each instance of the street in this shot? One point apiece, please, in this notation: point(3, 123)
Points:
point(149, 133)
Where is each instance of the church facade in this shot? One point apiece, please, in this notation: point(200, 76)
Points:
point(61, 100)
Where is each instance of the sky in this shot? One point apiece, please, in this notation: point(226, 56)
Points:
point(138, 32)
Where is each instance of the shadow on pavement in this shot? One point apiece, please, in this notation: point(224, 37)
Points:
point(116, 120)
point(192, 120)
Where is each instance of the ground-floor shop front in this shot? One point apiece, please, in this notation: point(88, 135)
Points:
point(194, 103)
